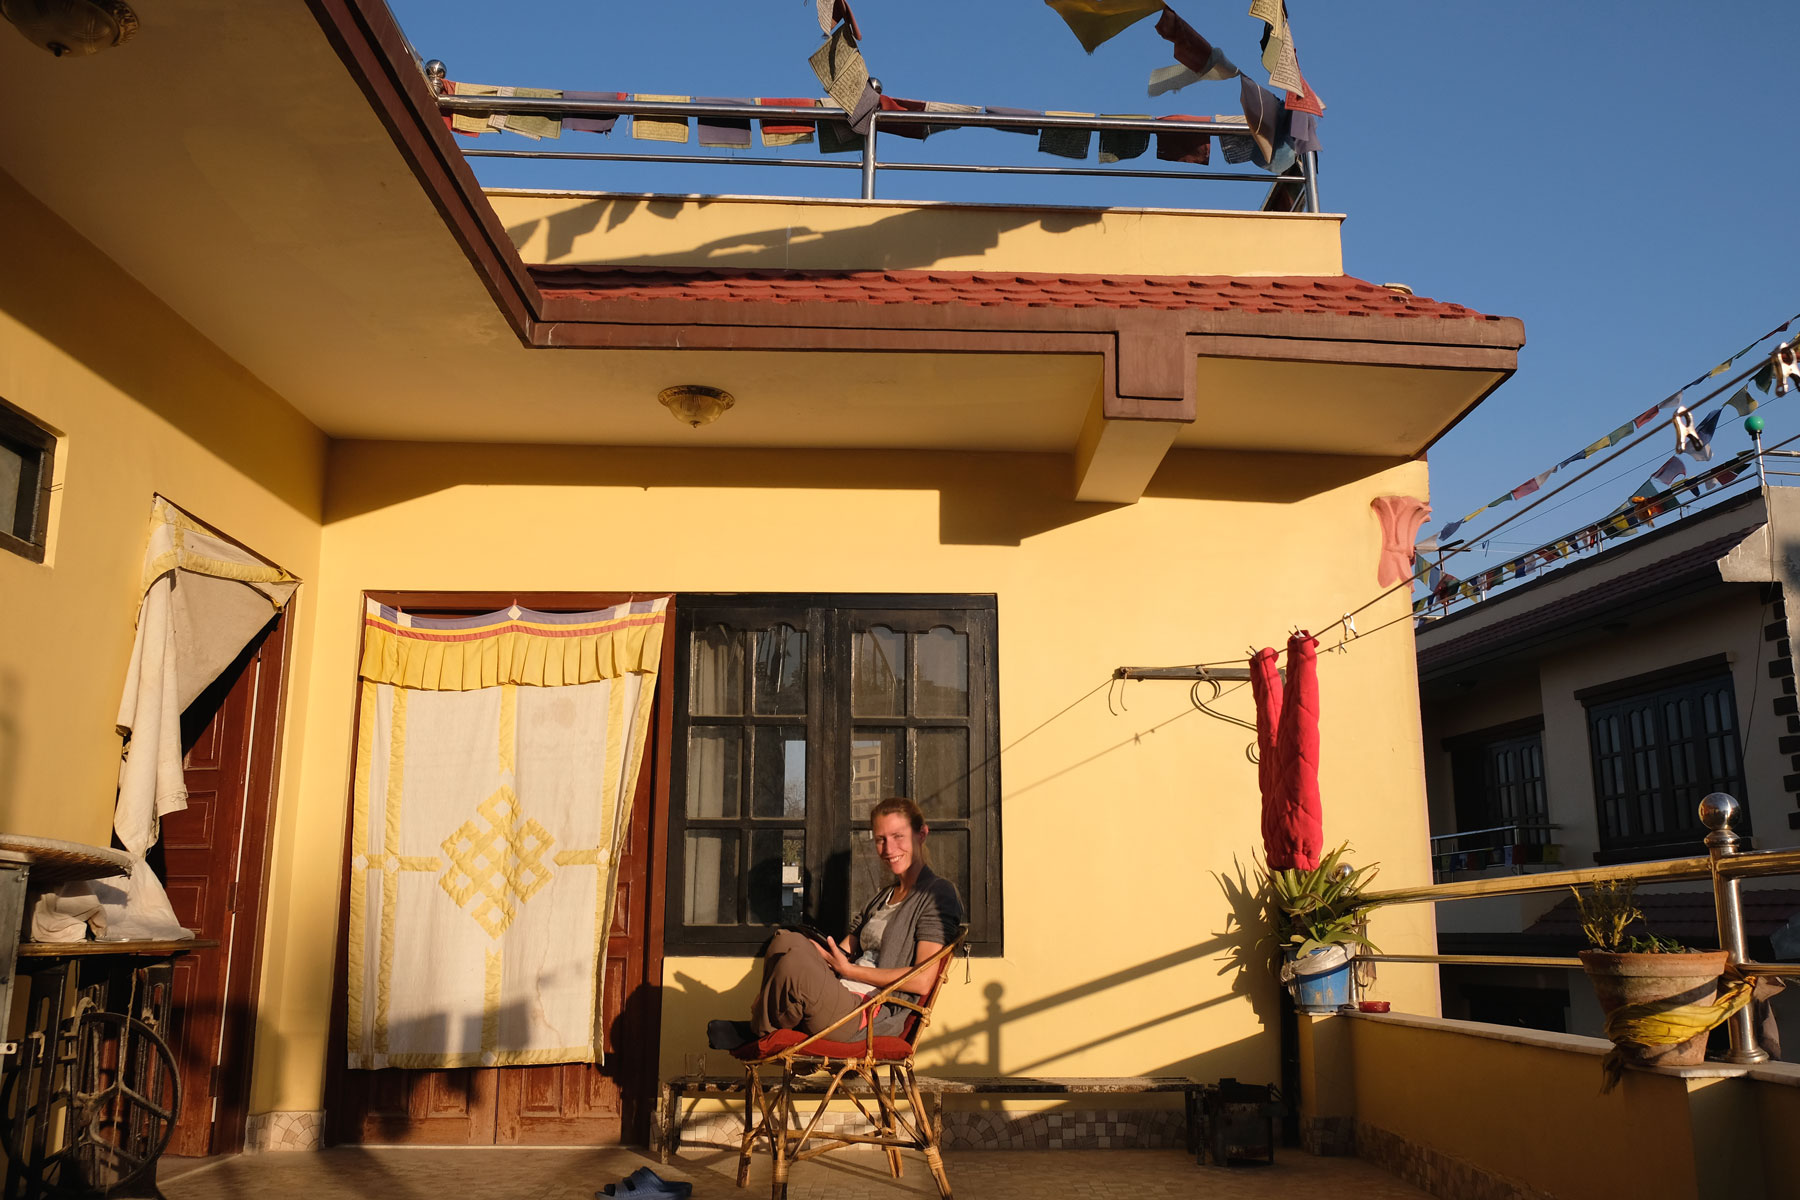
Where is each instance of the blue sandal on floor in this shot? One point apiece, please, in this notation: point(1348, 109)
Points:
point(647, 1183)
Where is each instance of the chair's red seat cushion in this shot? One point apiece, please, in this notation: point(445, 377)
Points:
point(886, 1048)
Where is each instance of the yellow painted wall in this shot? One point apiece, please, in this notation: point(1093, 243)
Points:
point(1119, 943)
point(1776, 1088)
point(742, 231)
point(1529, 1113)
point(145, 405)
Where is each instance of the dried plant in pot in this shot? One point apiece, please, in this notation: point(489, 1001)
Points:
point(1651, 989)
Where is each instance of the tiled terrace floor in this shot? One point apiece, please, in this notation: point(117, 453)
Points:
point(575, 1174)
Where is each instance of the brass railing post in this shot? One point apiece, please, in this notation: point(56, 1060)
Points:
point(1719, 812)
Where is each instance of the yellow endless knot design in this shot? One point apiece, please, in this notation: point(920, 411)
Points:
point(502, 862)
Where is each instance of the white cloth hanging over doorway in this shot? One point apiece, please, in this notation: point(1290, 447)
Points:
point(204, 598)
point(497, 759)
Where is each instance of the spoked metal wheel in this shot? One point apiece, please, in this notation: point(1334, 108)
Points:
point(107, 1113)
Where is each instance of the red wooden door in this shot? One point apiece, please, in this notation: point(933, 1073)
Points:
point(586, 1103)
point(211, 856)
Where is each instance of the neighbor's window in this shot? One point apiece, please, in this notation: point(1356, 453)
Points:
point(1660, 743)
point(796, 715)
point(27, 453)
point(1498, 776)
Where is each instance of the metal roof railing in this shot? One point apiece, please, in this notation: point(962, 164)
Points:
point(1296, 190)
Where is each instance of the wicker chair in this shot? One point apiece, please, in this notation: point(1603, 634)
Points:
point(771, 1113)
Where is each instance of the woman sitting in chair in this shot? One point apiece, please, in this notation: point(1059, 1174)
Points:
point(807, 986)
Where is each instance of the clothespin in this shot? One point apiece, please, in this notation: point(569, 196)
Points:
point(1685, 433)
point(1349, 633)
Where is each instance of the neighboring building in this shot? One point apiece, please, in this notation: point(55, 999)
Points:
point(989, 452)
point(1579, 718)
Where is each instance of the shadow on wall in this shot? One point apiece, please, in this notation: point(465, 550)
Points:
point(978, 1047)
point(986, 499)
point(11, 705)
point(63, 289)
point(906, 240)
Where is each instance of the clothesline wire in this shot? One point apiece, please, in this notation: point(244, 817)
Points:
point(1610, 479)
point(1469, 542)
point(1754, 342)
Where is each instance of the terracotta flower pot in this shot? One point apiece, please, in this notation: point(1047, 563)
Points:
point(1674, 979)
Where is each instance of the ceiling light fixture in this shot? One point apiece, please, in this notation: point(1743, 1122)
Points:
point(695, 405)
point(69, 28)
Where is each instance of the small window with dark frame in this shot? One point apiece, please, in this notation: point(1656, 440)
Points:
point(1659, 743)
point(27, 460)
point(795, 716)
point(1500, 790)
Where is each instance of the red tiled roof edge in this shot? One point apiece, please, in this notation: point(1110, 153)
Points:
point(1328, 295)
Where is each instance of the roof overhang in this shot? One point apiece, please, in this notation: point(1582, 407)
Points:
point(299, 200)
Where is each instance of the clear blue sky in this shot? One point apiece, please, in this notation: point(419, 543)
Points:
point(1622, 177)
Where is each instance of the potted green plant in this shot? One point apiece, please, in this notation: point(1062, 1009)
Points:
point(1320, 921)
point(1660, 998)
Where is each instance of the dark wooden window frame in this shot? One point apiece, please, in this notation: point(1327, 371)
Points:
point(35, 444)
point(1463, 747)
point(1682, 833)
point(827, 618)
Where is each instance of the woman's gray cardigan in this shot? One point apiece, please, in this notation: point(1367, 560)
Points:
point(933, 912)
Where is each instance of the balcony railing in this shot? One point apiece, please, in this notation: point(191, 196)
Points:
point(1296, 190)
point(1514, 848)
point(1723, 864)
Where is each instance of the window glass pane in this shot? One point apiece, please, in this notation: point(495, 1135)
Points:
point(942, 772)
point(777, 876)
point(877, 672)
point(877, 771)
point(942, 686)
point(717, 687)
point(12, 466)
point(781, 671)
point(780, 789)
point(947, 850)
point(714, 758)
point(867, 873)
point(712, 871)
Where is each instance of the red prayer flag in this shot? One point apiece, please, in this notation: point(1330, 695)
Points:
point(777, 126)
point(891, 104)
point(1305, 100)
point(1185, 147)
point(1647, 416)
point(1191, 50)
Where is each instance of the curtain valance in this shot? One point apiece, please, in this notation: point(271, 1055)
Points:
point(512, 646)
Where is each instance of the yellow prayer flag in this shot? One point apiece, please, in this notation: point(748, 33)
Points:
point(534, 127)
point(1094, 22)
point(470, 122)
point(841, 69)
point(660, 129)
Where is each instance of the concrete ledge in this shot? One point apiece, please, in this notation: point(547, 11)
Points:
point(1568, 1043)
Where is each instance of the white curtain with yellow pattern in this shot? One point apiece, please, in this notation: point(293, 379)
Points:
point(497, 758)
